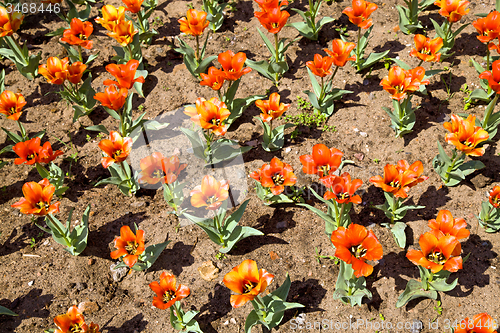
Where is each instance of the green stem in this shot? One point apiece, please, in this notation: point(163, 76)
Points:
point(129, 49)
point(487, 58)
point(400, 113)
point(333, 75)
point(61, 232)
point(489, 213)
point(14, 44)
point(420, 63)
point(447, 33)
point(337, 218)
point(341, 214)
point(23, 131)
point(358, 49)
point(394, 207)
point(80, 53)
point(140, 18)
point(452, 165)
point(259, 303)
point(122, 165)
point(198, 49)
point(321, 95)
point(276, 55)
point(177, 313)
point(489, 111)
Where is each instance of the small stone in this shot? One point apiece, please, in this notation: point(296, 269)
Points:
point(91, 262)
point(366, 82)
point(359, 156)
point(287, 150)
point(363, 134)
point(137, 204)
point(88, 307)
point(301, 318)
point(176, 151)
point(80, 286)
point(226, 322)
point(282, 225)
point(232, 321)
point(118, 273)
point(310, 273)
point(208, 271)
point(46, 242)
point(355, 130)
point(31, 283)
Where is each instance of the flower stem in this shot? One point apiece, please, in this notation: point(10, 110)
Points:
point(487, 58)
point(333, 75)
point(23, 131)
point(341, 214)
point(140, 18)
point(61, 232)
point(276, 55)
point(394, 207)
point(129, 49)
point(489, 111)
point(321, 95)
point(122, 165)
point(198, 49)
point(358, 49)
point(452, 165)
point(80, 53)
point(447, 33)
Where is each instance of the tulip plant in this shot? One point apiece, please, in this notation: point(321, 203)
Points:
point(397, 181)
point(491, 120)
point(194, 24)
point(215, 13)
point(488, 29)
point(73, 321)
point(408, 16)
point(452, 11)
point(222, 230)
point(440, 256)
point(10, 48)
point(78, 35)
point(143, 10)
point(211, 116)
point(168, 296)
point(340, 194)
point(466, 137)
point(274, 139)
point(132, 252)
point(323, 96)
point(359, 15)
point(354, 245)
point(489, 217)
point(247, 281)
point(273, 19)
point(309, 28)
point(270, 182)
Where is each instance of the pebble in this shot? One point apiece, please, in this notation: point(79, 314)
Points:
point(232, 321)
point(46, 242)
point(208, 271)
point(363, 134)
point(366, 82)
point(88, 307)
point(137, 204)
point(301, 318)
point(359, 156)
point(30, 283)
point(118, 273)
point(287, 150)
point(91, 261)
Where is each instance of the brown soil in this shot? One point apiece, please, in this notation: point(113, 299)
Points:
point(41, 281)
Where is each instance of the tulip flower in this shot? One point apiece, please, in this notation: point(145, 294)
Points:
point(398, 179)
point(123, 32)
point(116, 147)
point(9, 22)
point(210, 115)
point(166, 291)
point(124, 74)
point(322, 162)
point(453, 10)
point(72, 321)
point(214, 79)
point(480, 323)
point(342, 189)
point(55, 71)
point(355, 245)
point(273, 20)
point(28, 151)
point(494, 196)
point(399, 83)
point(111, 16)
point(340, 52)
point(247, 281)
point(360, 12)
point(133, 6)
point(426, 49)
point(320, 66)
point(78, 34)
point(445, 225)
point(75, 72)
point(232, 64)
point(493, 76)
point(46, 154)
point(156, 168)
point(271, 108)
point(465, 135)
point(129, 245)
point(194, 23)
point(437, 253)
point(37, 198)
point(11, 104)
point(266, 5)
point(112, 98)
point(210, 194)
point(275, 176)
point(488, 27)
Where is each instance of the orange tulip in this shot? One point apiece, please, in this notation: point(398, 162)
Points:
point(9, 22)
point(340, 52)
point(123, 32)
point(488, 27)
point(271, 108)
point(480, 323)
point(322, 162)
point(214, 79)
point(111, 16)
point(28, 151)
point(124, 74)
point(399, 83)
point(398, 179)
point(129, 245)
point(274, 19)
point(493, 76)
point(117, 149)
point(166, 292)
point(209, 114)
point(437, 253)
point(320, 66)
point(75, 72)
point(453, 10)
point(494, 196)
point(342, 189)
point(37, 198)
point(112, 98)
point(247, 281)
point(355, 245)
point(445, 225)
point(360, 12)
point(156, 168)
point(133, 6)
point(210, 194)
point(12, 104)
point(275, 176)
point(78, 33)
point(266, 5)
point(426, 49)
point(72, 321)
point(46, 154)
point(232, 64)
point(194, 23)
point(55, 71)
point(465, 135)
